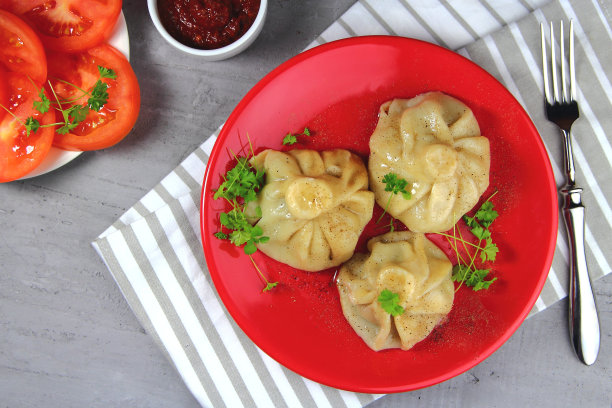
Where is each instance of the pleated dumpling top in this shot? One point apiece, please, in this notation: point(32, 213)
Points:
point(404, 263)
point(432, 141)
point(314, 205)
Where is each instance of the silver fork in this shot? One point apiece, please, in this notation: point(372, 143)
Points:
point(562, 109)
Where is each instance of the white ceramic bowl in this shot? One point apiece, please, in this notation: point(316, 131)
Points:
point(218, 53)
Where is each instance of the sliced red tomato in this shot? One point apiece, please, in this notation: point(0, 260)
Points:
point(115, 119)
point(21, 49)
point(3, 93)
point(68, 25)
point(20, 153)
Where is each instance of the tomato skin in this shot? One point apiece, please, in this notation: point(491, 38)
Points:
point(21, 49)
point(20, 153)
point(4, 96)
point(117, 118)
point(68, 25)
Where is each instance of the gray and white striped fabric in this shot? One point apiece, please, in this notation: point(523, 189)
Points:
point(154, 250)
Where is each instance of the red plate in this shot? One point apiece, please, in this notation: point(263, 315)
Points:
point(336, 90)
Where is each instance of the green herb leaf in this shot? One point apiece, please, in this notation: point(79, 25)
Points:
point(474, 278)
point(241, 181)
point(289, 139)
point(486, 214)
point(98, 97)
point(66, 128)
point(389, 301)
point(106, 72)
point(31, 125)
point(269, 286)
point(250, 247)
point(467, 271)
point(480, 232)
point(240, 186)
point(78, 113)
point(489, 252)
point(44, 104)
point(396, 185)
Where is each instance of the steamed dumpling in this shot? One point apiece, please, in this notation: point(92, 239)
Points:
point(314, 206)
point(408, 264)
point(432, 141)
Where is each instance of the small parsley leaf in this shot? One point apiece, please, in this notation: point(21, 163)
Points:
point(486, 214)
point(78, 113)
point(66, 128)
point(474, 278)
point(396, 185)
point(389, 301)
point(106, 72)
point(269, 286)
point(31, 125)
point(98, 97)
point(43, 105)
point(489, 252)
point(289, 139)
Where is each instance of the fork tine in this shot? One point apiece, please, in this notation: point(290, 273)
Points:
point(544, 64)
point(562, 61)
point(571, 62)
point(553, 63)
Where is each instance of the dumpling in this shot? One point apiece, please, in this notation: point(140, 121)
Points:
point(405, 263)
point(314, 206)
point(432, 141)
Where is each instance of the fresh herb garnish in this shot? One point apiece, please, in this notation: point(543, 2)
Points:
point(73, 115)
point(389, 301)
point(240, 186)
point(475, 278)
point(466, 271)
point(291, 139)
point(31, 125)
point(43, 105)
point(395, 185)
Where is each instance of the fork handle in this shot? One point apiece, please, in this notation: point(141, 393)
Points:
point(583, 321)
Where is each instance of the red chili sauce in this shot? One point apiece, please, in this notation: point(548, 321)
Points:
point(207, 24)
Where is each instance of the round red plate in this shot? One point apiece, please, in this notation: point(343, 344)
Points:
point(336, 90)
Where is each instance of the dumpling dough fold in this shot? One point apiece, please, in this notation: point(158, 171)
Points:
point(433, 141)
point(408, 264)
point(314, 206)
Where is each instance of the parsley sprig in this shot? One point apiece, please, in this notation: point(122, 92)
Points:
point(72, 114)
point(240, 187)
point(389, 301)
point(291, 138)
point(395, 185)
point(467, 271)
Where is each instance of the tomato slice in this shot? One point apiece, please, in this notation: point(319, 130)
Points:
point(68, 25)
point(21, 49)
point(4, 96)
point(20, 153)
point(115, 119)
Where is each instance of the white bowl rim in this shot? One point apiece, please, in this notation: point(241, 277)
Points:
point(228, 50)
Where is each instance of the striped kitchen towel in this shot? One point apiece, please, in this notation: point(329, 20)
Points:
point(154, 251)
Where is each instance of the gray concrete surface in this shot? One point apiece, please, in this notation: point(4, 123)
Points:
point(68, 338)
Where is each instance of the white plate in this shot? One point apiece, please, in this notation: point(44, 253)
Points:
point(56, 157)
